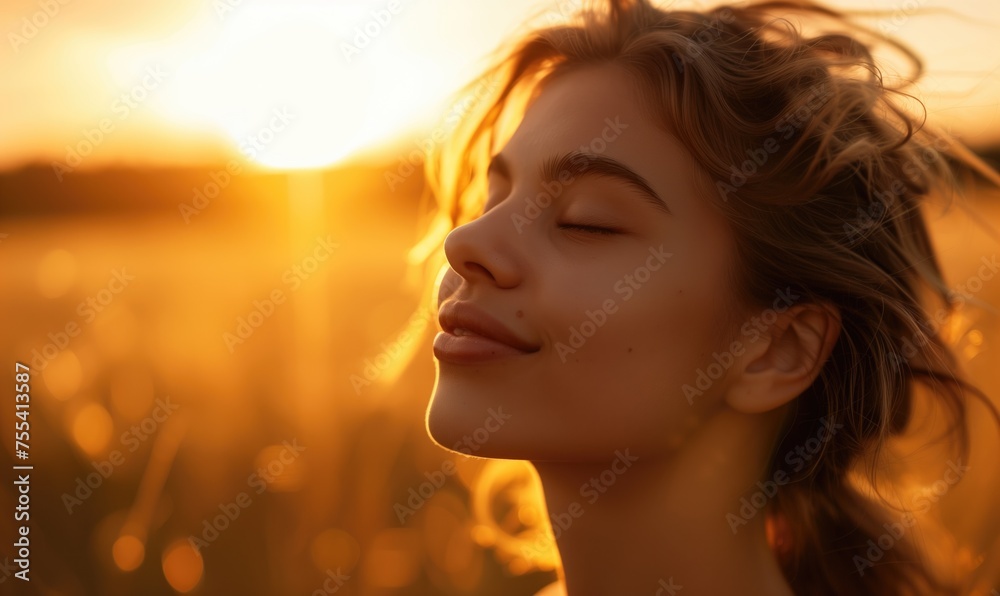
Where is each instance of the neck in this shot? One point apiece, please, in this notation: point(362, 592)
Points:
point(659, 524)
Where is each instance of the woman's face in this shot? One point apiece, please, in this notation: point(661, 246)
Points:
point(621, 321)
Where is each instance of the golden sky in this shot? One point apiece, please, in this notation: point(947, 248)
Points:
point(291, 83)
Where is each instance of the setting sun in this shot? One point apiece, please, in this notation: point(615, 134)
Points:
point(292, 85)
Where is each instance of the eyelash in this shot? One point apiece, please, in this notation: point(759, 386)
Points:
point(597, 230)
point(590, 229)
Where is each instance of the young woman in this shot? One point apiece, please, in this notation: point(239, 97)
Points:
point(688, 278)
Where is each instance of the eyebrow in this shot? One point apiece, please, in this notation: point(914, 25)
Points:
point(579, 164)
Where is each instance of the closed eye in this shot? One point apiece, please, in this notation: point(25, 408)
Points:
point(589, 229)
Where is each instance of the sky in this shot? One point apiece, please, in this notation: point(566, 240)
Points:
point(300, 84)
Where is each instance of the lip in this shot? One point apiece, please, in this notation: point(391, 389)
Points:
point(489, 340)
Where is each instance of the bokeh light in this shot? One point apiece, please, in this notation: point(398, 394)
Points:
point(334, 548)
point(182, 566)
point(128, 552)
point(392, 559)
point(280, 468)
point(63, 375)
point(91, 429)
point(56, 273)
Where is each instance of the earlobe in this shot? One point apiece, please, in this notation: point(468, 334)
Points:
point(786, 360)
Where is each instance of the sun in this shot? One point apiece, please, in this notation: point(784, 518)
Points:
point(305, 85)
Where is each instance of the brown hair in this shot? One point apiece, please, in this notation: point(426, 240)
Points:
point(821, 172)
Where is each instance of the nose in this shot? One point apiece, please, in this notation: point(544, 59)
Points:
point(481, 251)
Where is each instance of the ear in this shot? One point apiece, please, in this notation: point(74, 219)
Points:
point(785, 360)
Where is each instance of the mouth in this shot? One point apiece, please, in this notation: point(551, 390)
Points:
point(469, 334)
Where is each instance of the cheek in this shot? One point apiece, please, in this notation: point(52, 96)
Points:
point(636, 332)
point(619, 382)
point(619, 386)
point(617, 356)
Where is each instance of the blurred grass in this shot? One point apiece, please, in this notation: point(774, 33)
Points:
point(290, 380)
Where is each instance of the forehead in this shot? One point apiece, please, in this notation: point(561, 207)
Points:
point(598, 109)
point(576, 106)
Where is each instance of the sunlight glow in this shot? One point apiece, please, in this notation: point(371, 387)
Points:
point(304, 85)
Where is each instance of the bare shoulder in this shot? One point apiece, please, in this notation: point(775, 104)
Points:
point(556, 588)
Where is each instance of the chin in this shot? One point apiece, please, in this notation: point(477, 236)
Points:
point(441, 425)
point(469, 426)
